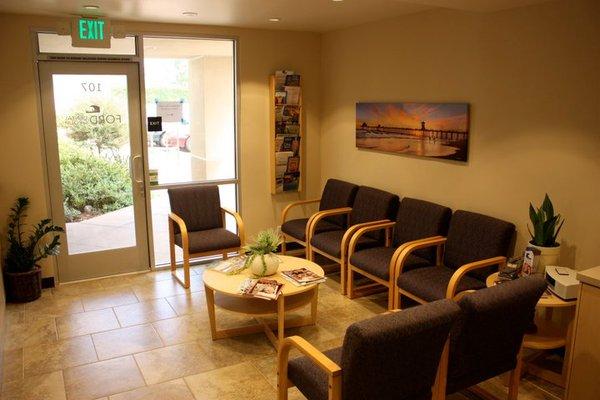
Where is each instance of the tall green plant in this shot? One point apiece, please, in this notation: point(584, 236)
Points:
point(266, 242)
point(24, 252)
point(546, 225)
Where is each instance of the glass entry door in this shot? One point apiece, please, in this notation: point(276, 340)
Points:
point(92, 128)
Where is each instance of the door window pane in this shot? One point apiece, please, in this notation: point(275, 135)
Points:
point(94, 150)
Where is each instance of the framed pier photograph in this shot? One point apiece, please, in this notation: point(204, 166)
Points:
point(438, 130)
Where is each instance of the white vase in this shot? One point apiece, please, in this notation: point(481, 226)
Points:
point(271, 262)
point(548, 256)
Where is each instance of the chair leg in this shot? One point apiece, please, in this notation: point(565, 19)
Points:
point(186, 269)
point(397, 298)
point(513, 380)
point(283, 247)
point(350, 284)
point(391, 296)
point(343, 279)
point(172, 246)
point(225, 255)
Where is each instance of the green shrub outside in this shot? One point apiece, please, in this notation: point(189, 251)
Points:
point(89, 179)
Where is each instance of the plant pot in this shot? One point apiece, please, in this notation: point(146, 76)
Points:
point(22, 287)
point(269, 267)
point(548, 256)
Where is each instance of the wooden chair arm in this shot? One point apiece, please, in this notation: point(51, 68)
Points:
point(350, 233)
point(333, 371)
point(182, 229)
point(287, 208)
point(378, 225)
point(239, 222)
point(462, 271)
point(401, 254)
point(315, 355)
point(318, 216)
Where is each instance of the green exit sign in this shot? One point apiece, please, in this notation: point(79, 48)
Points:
point(90, 32)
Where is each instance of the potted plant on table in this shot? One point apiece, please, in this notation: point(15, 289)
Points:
point(546, 226)
point(260, 255)
point(22, 274)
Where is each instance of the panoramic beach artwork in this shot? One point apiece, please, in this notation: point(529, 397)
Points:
point(439, 130)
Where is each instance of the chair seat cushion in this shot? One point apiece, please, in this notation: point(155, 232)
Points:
point(376, 261)
point(296, 228)
point(330, 242)
point(210, 240)
point(430, 283)
point(310, 379)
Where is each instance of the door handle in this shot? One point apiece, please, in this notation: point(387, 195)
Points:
point(134, 169)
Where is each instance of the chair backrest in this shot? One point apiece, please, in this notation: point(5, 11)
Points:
point(198, 206)
point(473, 237)
point(396, 355)
point(372, 204)
point(337, 194)
point(487, 340)
point(419, 219)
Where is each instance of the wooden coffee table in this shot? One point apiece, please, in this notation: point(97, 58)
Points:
point(223, 290)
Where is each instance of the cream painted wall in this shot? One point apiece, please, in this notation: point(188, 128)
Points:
point(261, 52)
point(532, 77)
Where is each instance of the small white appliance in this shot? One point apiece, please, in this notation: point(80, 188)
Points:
point(562, 282)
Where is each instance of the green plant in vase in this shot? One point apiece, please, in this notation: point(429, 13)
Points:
point(22, 273)
point(546, 227)
point(260, 257)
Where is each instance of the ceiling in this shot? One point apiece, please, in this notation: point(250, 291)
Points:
point(304, 15)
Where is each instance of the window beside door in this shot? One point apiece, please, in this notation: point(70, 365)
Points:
point(190, 84)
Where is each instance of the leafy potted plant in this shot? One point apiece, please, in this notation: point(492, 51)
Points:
point(260, 255)
point(546, 226)
point(22, 274)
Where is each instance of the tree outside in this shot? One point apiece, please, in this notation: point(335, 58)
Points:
point(94, 172)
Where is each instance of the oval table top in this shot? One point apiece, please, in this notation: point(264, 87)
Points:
point(548, 299)
point(230, 284)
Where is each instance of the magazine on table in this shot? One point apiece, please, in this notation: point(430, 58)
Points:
point(229, 266)
point(263, 288)
point(302, 277)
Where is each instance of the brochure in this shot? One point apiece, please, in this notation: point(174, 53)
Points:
point(263, 288)
point(302, 277)
point(280, 79)
point(292, 95)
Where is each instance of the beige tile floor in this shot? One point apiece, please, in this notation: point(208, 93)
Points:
point(145, 337)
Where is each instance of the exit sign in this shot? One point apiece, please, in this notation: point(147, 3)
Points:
point(90, 32)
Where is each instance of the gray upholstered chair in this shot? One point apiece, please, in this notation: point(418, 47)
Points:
point(415, 220)
point(487, 340)
point(370, 206)
point(336, 194)
point(197, 225)
point(475, 247)
point(391, 356)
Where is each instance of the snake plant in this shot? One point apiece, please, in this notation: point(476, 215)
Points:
point(546, 225)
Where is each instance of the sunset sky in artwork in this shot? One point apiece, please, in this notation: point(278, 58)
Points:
point(442, 116)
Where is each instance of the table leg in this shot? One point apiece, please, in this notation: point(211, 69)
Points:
point(313, 305)
point(567, 359)
point(210, 305)
point(280, 320)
